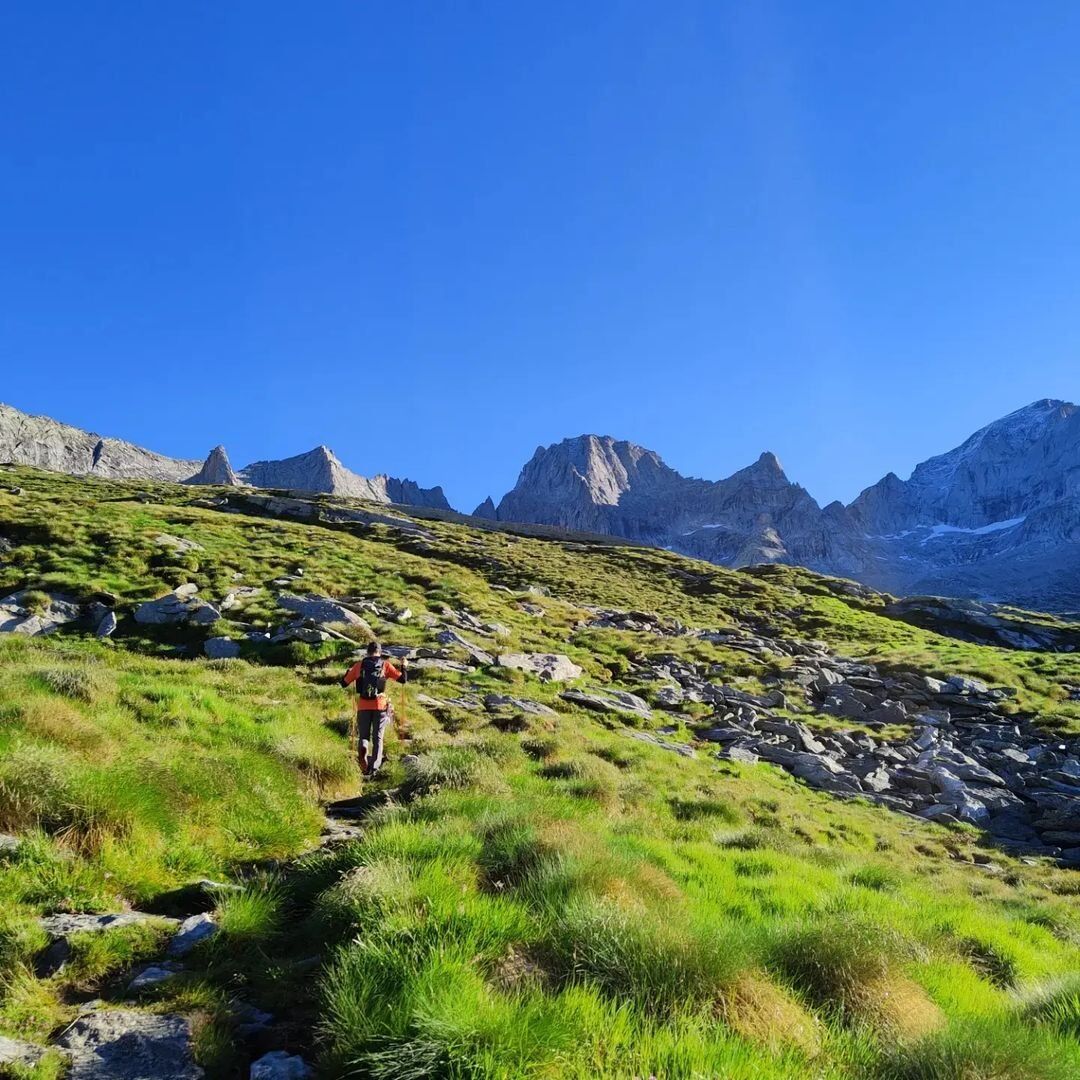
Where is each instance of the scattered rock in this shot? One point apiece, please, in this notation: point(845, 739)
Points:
point(306, 635)
point(494, 702)
point(434, 663)
point(177, 543)
point(106, 626)
point(192, 931)
point(16, 618)
point(221, 648)
point(475, 653)
point(682, 749)
point(152, 976)
point(8, 843)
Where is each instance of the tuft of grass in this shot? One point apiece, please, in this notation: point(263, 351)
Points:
point(1055, 1005)
point(982, 1050)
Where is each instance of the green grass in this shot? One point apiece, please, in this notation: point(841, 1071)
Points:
point(538, 898)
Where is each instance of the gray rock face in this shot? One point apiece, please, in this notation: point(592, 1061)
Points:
point(191, 932)
point(123, 1045)
point(221, 648)
point(600, 485)
point(47, 444)
point(217, 470)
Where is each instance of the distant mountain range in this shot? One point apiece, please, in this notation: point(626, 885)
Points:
point(998, 518)
point(41, 441)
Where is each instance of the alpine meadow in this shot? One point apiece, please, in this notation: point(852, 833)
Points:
point(631, 824)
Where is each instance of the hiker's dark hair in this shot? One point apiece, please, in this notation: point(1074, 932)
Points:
point(373, 648)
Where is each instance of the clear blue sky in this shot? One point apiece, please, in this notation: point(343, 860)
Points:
point(434, 235)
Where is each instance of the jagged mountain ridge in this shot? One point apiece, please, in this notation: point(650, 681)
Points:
point(48, 444)
point(998, 518)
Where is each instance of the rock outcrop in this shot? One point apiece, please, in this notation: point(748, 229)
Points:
point(217, 470)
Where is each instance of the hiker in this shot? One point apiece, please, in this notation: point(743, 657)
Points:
point(373, 709)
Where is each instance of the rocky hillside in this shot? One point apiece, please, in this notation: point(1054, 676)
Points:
point(998, 518)
point(42, 442)
point(643, 815)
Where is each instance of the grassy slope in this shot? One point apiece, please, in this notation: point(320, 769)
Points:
point(559, 900)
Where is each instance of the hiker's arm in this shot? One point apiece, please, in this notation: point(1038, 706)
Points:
point(350, 676)
point(393, 673)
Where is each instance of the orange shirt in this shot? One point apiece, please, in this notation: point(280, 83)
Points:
point(379, 703)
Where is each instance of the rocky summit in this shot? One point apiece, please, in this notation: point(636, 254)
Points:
point(996, 519)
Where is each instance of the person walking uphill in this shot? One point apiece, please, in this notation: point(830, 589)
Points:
point(373, 709)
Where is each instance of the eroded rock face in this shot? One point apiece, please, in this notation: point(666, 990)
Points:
point(320, 470)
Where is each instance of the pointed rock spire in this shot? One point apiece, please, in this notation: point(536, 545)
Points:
point(216, 470)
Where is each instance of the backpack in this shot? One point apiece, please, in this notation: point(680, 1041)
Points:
point(372, 681)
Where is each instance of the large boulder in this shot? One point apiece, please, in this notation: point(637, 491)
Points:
point(116, 1044)
point(182, 605)
point(18, 618)
point(321, 610)
point(551, 667)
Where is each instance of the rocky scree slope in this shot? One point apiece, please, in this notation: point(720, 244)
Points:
point(584, 785)
point(997, 518)
point(47, 444)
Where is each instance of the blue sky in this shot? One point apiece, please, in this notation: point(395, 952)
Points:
point(435, 235)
